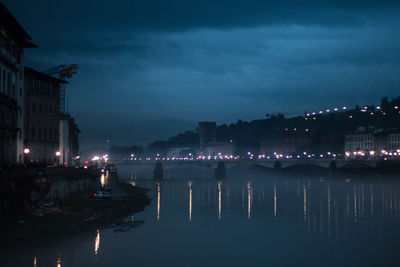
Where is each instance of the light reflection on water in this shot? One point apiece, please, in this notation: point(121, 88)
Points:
point(97, 243)
point(271, 220)
point(322, 202)
point(190, 201)
point(158, 201)
point(219, 199)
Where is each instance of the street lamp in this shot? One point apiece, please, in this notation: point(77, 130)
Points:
point(26, 152)
point(58, 154)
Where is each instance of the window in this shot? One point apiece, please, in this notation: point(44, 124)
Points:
point(9, 84)
point(4, 81)
point(33, 132)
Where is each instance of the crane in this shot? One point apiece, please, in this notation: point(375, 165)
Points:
point(64, 73)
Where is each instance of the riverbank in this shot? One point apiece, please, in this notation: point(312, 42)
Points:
point(74, 215)
point(26, 190)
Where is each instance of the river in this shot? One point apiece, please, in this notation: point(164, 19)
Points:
point(263, 220)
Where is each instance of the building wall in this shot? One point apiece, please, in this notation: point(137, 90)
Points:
point(64, 146)
point(42, 104)
point(381, 142)
point(20, 97)
point(207, 133)
point(10, 111)
point(359, 142)
point(13, 40)
point(8, 130)
point(69, 140)
point(393, 142)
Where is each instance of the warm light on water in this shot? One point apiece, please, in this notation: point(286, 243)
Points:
point(102, 180)
point(190, 201)
point(219, 200)
point(275, 200)
point(158, 201)
point(97, 243)
point(249, 193)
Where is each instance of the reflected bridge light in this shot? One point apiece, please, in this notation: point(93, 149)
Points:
point(97, 243)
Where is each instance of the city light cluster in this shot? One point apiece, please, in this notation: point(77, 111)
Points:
point(365, 109)
point(372, 153)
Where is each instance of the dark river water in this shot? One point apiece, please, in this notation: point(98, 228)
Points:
point(264, 221)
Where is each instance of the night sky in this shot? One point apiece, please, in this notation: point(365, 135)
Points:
point(150, 69)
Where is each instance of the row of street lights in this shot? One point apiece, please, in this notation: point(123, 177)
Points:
point(58, 154)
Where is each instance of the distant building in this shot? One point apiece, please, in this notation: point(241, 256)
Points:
point(380, 141)
point(42, 116)
point(206, 151)
point(181, 152)
point(69, 142)
point(359, 142)
point(286, 142)
point(224, 149)
point(207, 133)
point(13, 40)
point(393, 140)
point(368, 141)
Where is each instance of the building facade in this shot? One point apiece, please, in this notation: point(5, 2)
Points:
point(42, 116)
point(393, 141)
point(13, 40)
point(372, 142)
point(69, 142)
point(359, 142)
point(207, 133)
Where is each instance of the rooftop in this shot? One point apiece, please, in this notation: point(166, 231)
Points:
point(41, 75)
point(10, 26)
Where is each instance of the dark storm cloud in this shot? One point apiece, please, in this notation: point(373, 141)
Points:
point(183, 15)
point(148, 64)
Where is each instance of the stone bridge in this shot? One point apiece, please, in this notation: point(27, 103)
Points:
point(284, 163)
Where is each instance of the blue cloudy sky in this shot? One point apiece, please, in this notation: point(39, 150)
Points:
point(150, 69)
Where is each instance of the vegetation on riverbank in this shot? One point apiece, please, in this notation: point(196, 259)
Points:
point(75, 215)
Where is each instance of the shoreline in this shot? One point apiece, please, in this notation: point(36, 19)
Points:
point(76, 215)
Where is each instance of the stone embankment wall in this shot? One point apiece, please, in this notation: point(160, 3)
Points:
point(27, 189)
